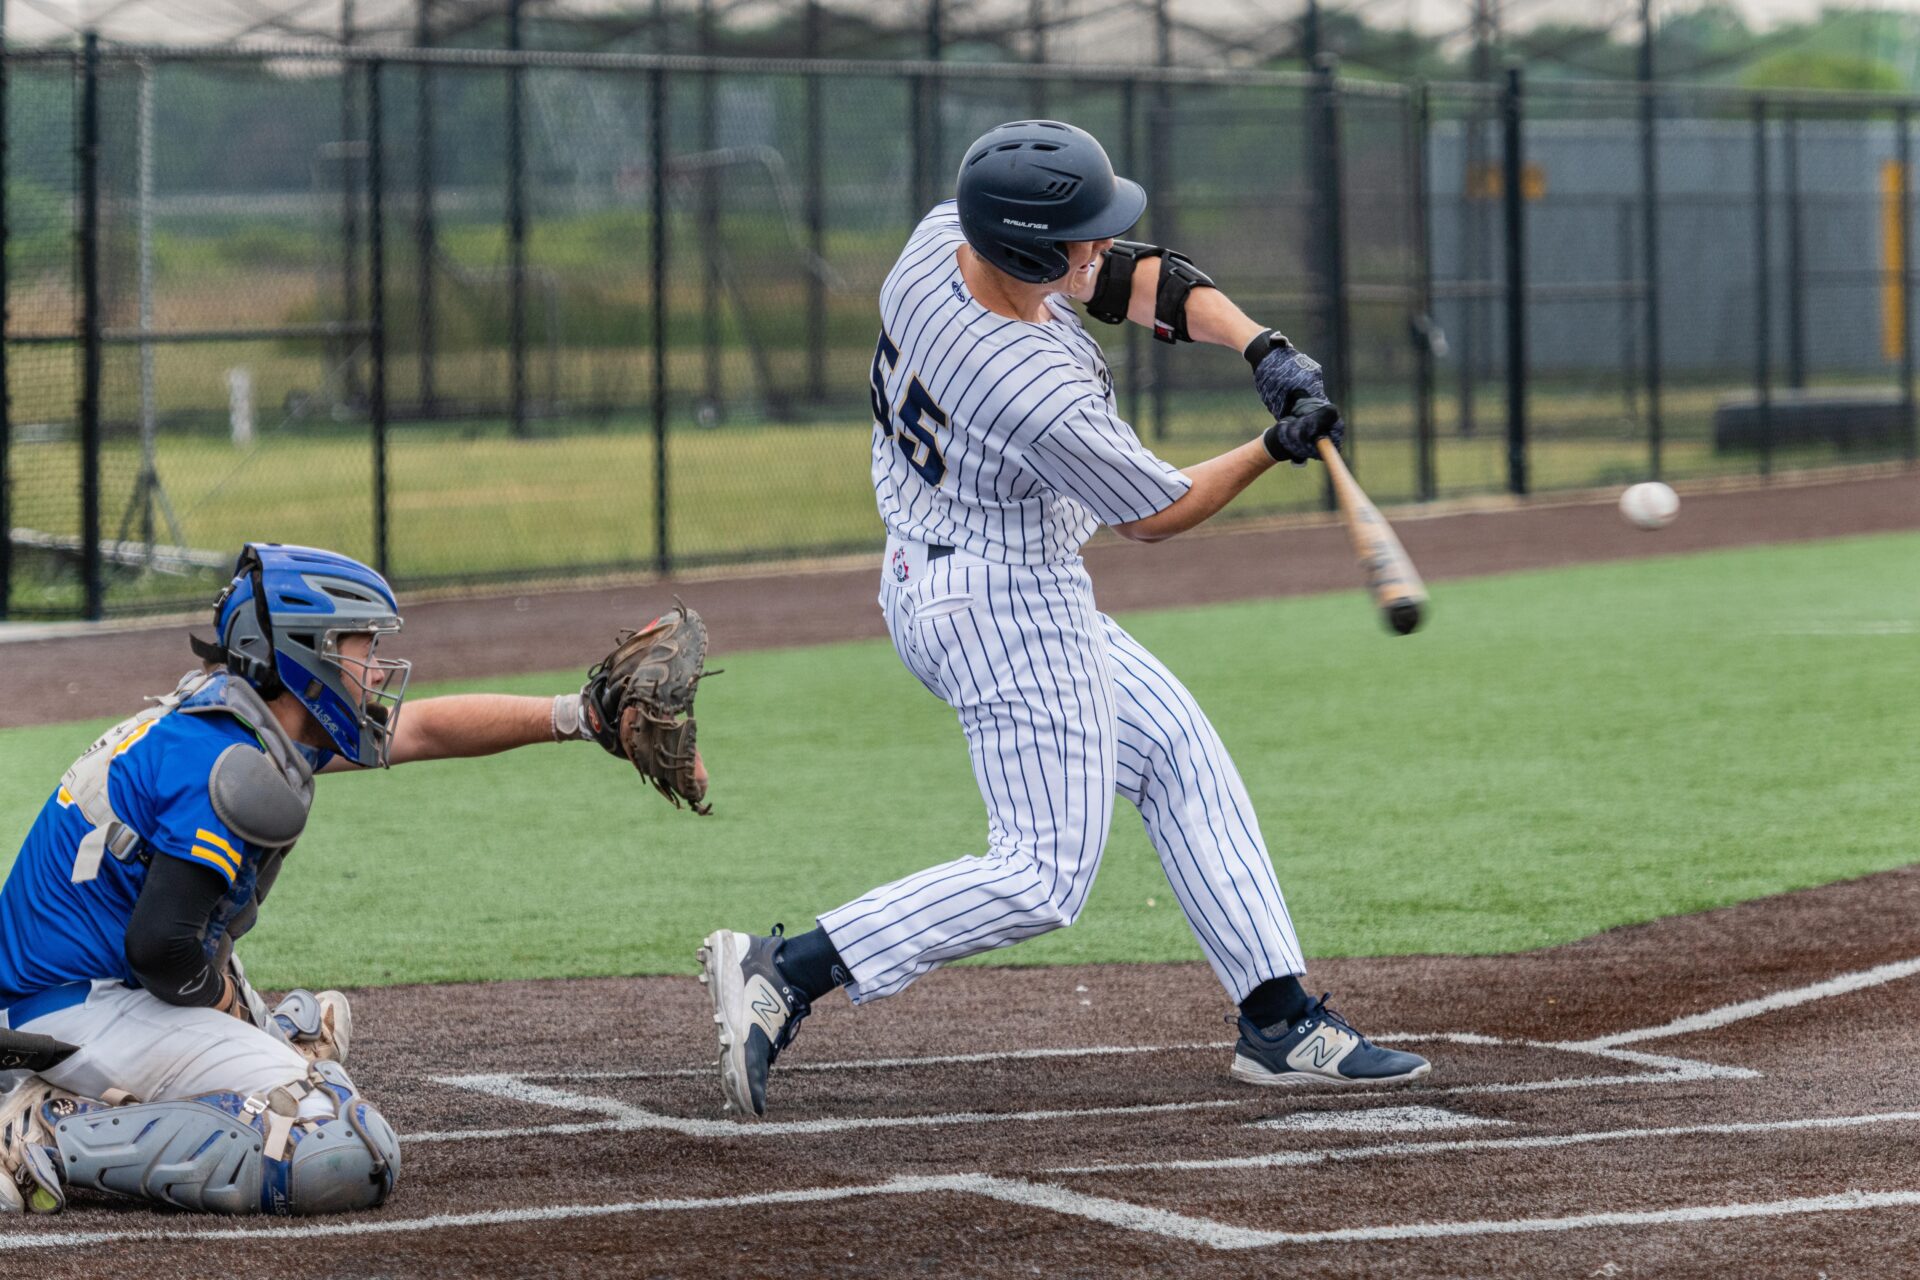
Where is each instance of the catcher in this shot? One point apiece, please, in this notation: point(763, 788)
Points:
point(144, 1063)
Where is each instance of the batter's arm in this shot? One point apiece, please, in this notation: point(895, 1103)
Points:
point(1216, 482)
point(1211, 315)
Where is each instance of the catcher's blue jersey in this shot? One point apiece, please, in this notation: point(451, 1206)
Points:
point(55, 930)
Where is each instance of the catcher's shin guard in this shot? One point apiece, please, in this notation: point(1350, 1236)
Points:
point(225, 1153)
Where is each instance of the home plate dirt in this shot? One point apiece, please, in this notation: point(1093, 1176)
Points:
point(1732, 1093)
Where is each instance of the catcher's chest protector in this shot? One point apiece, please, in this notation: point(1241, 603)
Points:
point(265, 800)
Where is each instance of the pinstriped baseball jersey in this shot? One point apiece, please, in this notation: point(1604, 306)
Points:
point(995, 435)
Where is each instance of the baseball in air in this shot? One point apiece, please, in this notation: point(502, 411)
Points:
point(1651, 505)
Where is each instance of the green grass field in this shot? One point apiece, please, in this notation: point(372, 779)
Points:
point(1561, 752)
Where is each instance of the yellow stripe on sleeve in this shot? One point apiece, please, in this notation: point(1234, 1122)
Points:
point(209, 856)
point(218, 843)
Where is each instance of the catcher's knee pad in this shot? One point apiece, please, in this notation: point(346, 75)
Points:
point(227, 1153)
point(318, 1026)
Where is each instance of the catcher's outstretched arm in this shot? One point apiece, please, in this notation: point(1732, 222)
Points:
point(478, 724)
point(470, 724)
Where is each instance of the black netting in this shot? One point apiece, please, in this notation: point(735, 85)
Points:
point(604, 317)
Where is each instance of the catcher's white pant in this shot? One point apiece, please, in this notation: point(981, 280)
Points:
point(1061, 708)
point(133, 1041)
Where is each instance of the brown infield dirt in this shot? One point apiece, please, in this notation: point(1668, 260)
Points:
point(1572, 1126)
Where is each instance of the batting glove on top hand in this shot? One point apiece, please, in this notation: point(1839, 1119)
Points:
point(1282, 373)
point(1291, 437)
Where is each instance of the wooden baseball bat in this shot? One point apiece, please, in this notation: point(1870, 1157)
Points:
point(1389, 571)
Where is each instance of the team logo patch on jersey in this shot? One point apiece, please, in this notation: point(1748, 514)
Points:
point(899, 566)
point(959, 294)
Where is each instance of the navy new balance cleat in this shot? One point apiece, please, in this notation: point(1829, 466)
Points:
point(756, 1010)
point(1321, 1048)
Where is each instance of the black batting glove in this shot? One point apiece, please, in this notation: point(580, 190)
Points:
point(1307, 419)
point(1280, 369)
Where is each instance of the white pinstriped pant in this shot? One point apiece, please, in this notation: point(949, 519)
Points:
point(1061, 708)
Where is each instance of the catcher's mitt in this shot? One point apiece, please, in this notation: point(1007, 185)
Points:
point(639, 702)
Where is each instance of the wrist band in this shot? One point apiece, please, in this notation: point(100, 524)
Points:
point(1264, 344)
point(569, 721)
point(1270, 441)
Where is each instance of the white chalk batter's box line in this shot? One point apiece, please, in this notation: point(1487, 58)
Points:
point(1160, 1223)
point(616, 1115)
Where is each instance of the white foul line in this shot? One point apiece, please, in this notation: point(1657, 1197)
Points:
point(1163, 1223)
point(485, 1218)
point(1713, 1019)
point(1533, 1142)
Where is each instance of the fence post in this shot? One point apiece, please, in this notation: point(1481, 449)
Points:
point(1130, 164)
point(1513, 200)
point(1329, 184)
point(817, 302)
point(918, 185)
point(6, 382)
point(936, 89)
point(1419, 122)
point(1903, 121)
point(345, 353)
point(377, 310)
point(1762, 289)
point(657, 141)
point(90, 325)
point(1165, 229)
point(425, 232)
point(1796, 261)
point(517, 224)
point(1650, 268)
point(713, 294)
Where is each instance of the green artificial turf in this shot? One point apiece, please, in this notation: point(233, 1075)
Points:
point(1558, 753)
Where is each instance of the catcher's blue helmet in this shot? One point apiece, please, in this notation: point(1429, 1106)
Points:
point(1027, 187)
point(279, 625)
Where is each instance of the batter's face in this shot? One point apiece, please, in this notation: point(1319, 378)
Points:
point(1084, 259)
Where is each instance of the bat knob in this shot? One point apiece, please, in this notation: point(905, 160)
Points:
point(1403, 616)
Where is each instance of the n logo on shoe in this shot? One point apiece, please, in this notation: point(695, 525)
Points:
point(1323, 1049)
point(768, 1009)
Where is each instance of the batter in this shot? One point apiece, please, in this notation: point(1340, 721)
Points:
point(997, 452)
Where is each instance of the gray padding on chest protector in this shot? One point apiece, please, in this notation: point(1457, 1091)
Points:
point(254, 799)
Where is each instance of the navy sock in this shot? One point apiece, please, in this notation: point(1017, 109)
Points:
point(1275, 1001)
point(811, 964)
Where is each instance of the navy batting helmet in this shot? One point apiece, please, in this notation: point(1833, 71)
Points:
point(1026, 188)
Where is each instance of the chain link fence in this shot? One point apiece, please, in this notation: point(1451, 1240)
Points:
point(484, 317)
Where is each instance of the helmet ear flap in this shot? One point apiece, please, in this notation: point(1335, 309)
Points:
point(1040, 263)
point(263, 673)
